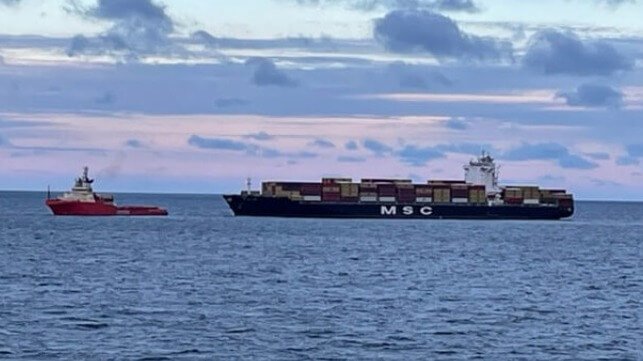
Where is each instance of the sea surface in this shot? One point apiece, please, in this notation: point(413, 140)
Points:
point(204, 285)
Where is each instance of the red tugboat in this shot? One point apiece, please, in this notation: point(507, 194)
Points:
point(82, 201)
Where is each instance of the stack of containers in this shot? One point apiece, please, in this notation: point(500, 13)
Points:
point(330, 190)
point(531, 195)
point(406, 192)
point(459, 193)
point(349, 192)
point(311, 192)
point(441, 192)
point(423, 193)
point(290, 190)
point(367, 192)
point(477, 194)
point(564, 200)
point(386, 192)
point(549, 196)
point(268, 189)
point(513, 195)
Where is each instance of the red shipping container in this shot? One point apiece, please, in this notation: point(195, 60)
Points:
point(311, 189)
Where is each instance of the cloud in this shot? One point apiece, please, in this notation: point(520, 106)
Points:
point(592, 95)
point(418, 156)
point(267, 74)
point(348, 159)
point(219, 144)
point(598, 156)
point(627, 160)
point(322, 143)
point(456, 124)
point(407, 31)
point(262, 136)
point(635, 150)
point(615, 3)
point(139, 27)
point(10, 2)
point(351, 145)
point(376, 146)
point(633, 156)
point(134, 143)
point(247, 148)
point(549, 151)
point(371, 5)
point(554, 52)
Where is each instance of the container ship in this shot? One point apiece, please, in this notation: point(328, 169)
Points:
point(478, 196)
point(82, 201)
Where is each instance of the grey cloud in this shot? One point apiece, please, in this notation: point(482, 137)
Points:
point(267, 74)
point(260, 136)
point(408, 31)
point(322, 143)
point(418, 156)
point(10, 2)
point(351, 145)
point(554, 52)
point(134, 143)
point(549, 151)
point(225, 144)
point(370, 5)
point(348, 159)
point(615, 3)
point(139, 27)
point(376, 146)
point(592, 95)
point(456, 124)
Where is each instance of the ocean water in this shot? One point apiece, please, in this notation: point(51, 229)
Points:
point(203, 285)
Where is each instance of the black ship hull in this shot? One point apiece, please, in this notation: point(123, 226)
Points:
point(258, 206)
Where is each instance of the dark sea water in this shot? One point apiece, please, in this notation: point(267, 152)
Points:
point(203, 285)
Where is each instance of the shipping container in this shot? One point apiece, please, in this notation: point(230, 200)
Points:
point(460, 200)
point(368, 194)
point(513, 200)
point(387, 199)
point(423, 190)
point(311, 189)
point(447, 181)
point(424, 199)
point(331, 197)
point(336, 180)
point(312, 198)
point(386, 190)
point(384, 181)
point(368, 199)
point(331, 189)
point(441, 195)
point(349, 189)
point(531, 201)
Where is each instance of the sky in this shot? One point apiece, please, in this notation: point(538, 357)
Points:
point(194, 96)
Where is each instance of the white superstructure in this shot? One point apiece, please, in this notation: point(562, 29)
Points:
point(483, 171)
point(82, 190)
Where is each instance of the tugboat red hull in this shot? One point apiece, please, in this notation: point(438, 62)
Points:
point(79, 208)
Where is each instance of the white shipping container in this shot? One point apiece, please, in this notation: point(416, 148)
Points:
point(312, 198)
point(387, 199)
point(460, 200)
point(531, 201)
point(424, 199)
point(368, 199)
